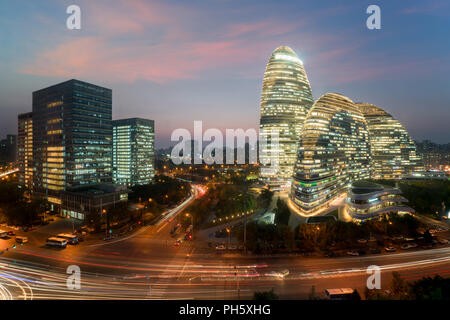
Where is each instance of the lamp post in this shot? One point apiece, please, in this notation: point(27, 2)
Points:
point(228, 231)
point(107, 221)
point(192, 223)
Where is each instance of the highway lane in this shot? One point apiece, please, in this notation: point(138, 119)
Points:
point(147, 265)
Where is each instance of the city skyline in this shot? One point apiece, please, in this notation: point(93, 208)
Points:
point(160, 62)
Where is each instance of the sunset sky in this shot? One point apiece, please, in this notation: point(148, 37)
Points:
point(180, 61)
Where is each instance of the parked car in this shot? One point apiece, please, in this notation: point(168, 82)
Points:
point(220, 247)
point(353, 253)
point(21, 240)
point(11, 234)
point(407, 246)
point(443, 241)
point(389, 249)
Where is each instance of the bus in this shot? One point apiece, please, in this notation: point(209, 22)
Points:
point(339, 294)
point(71, 238)
point(57, 242)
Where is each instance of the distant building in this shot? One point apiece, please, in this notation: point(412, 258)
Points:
point(79, 202)
point(133, 151)
point(435, 156)
point(72, 137)
point(366, 200)
point(8, 149)
point(25, 149)
point(285, 101)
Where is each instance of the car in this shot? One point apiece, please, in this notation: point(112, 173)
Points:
point(177, 243)
point(353, 253)
point(362, 241)
point(220, 247)
point(21, 240)
point(11, 234)
point(443, 241)
point(407, 246)
point(375, 251)
point(232, 247)
point(284, 273)
point(389, 249)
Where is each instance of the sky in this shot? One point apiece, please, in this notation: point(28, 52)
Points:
point(180, 61)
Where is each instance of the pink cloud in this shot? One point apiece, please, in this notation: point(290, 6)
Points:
point(95, 58)
point(262, 28)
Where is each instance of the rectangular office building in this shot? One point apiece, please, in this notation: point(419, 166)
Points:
point(25, 149)
point(133, 151)
point(72, 137)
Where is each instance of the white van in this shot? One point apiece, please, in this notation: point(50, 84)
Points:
point(57, 242)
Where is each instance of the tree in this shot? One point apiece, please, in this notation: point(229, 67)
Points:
point(265, 295)
point(428, 288)
point(312, 294)
point(282, 213)
point(398, 286)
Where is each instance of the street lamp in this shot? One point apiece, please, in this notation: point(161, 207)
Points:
point(192, 223)
point(228, 231)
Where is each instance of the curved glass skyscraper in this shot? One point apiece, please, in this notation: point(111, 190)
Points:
point(334, 150)
point(285, 101)
point(393, 151)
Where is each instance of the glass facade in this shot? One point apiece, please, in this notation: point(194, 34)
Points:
point(285, 101)
point(25, 149)
point(72, 135)
point(133, 151)
point(334, 150)
point(393, 151)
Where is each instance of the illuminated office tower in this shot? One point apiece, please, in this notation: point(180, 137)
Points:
point(393, 151)
point(334, 151)
point(133, 151)
point(285, 101)
point(25, 149)
point(72, 137)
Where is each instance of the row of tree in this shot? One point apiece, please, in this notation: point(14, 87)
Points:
point(16, 208)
